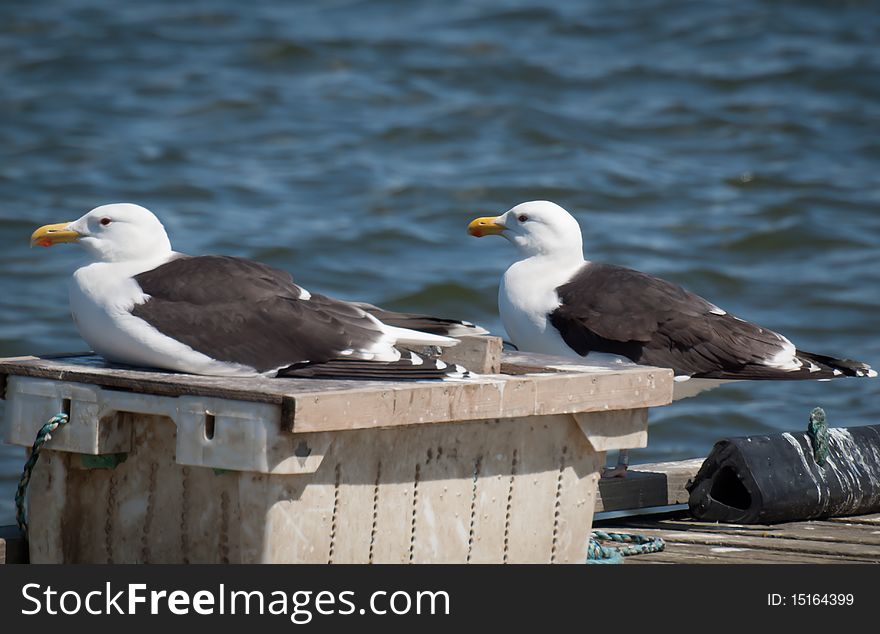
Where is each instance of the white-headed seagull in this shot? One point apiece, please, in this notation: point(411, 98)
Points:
point(138, 302)
point(553, 301)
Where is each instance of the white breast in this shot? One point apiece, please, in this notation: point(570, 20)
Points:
point(526, 296)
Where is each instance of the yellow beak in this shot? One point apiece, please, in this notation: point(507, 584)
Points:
point(488, 226)
point(48, 235)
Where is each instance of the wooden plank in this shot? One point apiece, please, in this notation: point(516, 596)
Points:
point(831, 532)
point(691, 541)
point(493, 396)
point(781, 544)
point(873, 520)
point(4, 377)
point(324, 405)
point(648, 485)
point(13, 547)
point(702, 554)
point(92, 370)
point(849, 551)
point(478, 353)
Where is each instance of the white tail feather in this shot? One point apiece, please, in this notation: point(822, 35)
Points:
point(415, 338)
point(467, 328)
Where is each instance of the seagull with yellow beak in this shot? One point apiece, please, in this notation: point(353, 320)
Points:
point(138, 302)
point(553, 301)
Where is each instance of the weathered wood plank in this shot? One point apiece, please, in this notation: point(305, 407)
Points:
point(4, 377)
point(13, 547)
point(836, 540)
point(92, 370)
point(478, 353)
point(831, 532)
point(873, 520)
point(325, 405)
point(781, 544)
point(648, 485)
point(489, 397)
point(702, 554)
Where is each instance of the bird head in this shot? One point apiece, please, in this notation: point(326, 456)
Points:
point(111, 233)
point(535, 228)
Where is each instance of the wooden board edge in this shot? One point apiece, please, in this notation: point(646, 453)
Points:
point(507, 397)
point(648, 486)
point(13, 546)
point(341, 408)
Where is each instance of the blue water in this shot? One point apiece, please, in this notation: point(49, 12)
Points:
point(733, 147)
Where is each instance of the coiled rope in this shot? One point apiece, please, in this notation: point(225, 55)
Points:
point(635, 545)
point(43, 436)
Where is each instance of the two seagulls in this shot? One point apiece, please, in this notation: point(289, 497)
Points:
point(140, 303)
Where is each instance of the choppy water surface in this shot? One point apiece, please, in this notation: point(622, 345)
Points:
point(731, 147)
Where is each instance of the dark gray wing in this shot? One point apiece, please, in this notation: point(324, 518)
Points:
point(240, 311)
point(612, 309)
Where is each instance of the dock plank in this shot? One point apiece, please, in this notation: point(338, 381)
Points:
point(704, 554)
point(842, 540)
point(873, 520)
point(648, 485)
point(331, 405)
point(778, 544)
point(854, 539)
point(814, 531)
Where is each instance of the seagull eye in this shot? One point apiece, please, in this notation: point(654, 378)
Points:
point(522, 217)
point(105, 221)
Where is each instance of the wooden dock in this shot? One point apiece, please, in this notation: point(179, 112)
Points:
point(853, 539)
point(839, 540)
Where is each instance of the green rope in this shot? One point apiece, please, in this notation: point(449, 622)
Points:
point(43, 436)
point(817, 430)
point(636, 545)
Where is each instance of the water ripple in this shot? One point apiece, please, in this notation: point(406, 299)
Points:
point(728, 146)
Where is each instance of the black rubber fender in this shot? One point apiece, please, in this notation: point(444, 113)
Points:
point(774, 478)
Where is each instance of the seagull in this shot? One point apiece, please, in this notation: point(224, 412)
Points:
point(553, 301)
point(138, 302)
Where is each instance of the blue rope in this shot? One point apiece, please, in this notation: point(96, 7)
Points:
point(636, 545)
point(43, 436)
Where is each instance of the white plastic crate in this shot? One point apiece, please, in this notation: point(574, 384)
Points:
point(342, 472)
